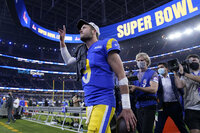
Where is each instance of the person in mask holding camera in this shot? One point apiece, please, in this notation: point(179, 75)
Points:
point(145, 90)
point(191, 84)
point(169, 103)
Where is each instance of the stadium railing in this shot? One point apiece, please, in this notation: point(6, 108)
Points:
point(33, 113)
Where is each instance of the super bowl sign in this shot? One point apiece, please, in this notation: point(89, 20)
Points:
point(26, 21)
point(52, 35)
point(161, 17)
point(164, 16)
point(22, 13)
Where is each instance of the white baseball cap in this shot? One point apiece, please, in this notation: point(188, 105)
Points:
point(81, 22)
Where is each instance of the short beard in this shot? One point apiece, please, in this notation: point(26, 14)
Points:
point(85, 39)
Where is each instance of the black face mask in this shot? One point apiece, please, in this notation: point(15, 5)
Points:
point(194, 66)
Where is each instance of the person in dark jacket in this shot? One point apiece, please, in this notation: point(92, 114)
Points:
point(30, 102)
point(169, 103)
point(9, 106)
point(46, 102)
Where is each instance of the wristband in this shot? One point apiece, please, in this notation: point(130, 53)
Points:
point(123, 81)
point(125, 98)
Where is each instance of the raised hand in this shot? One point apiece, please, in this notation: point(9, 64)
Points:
point(62, 33)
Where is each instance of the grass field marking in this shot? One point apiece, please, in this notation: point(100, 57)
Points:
point(9, 127)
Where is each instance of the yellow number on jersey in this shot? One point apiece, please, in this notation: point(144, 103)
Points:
point(87, 72)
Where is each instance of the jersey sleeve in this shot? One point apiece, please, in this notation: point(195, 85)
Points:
point(112, 45)
point(154, 78)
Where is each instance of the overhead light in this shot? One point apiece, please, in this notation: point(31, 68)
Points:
point(188, 31)
point(177, 34)
point(171, 36)
point(197, 28)
point(25, 46)
point(10, 43)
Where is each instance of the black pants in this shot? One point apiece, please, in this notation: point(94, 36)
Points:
point(174, 110)
point(10, 115)
point(146, 117)
point(192, 119)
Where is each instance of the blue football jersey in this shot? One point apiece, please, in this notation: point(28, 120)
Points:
point(98, 77)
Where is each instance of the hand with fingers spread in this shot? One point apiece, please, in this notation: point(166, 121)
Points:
point(62, 33)
point(129, 118)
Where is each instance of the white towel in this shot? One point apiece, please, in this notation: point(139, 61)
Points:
point(89, 112)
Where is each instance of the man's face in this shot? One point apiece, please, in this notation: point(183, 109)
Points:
point(141, 62)
point(193, 59)
point(163, 67)
point(140, 59)
point(86, 33)
point(194, 63)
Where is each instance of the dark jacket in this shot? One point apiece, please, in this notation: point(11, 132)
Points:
point(160, 93)
point(46, 103)
point(30, 103)
point(9, 102)
point(81, 56)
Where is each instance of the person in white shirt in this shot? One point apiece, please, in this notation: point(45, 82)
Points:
point(16, 103)
point(169, 103)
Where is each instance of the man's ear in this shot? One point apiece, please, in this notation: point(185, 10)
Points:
point(94, 32)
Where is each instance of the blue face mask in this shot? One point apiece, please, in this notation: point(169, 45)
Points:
point(161, 71)
point(141, 64)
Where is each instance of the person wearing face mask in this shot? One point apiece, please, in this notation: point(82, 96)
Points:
point(169, 103)
point(145, 90)
point(191, 84)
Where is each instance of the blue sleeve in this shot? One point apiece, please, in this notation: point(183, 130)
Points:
point(112, 45)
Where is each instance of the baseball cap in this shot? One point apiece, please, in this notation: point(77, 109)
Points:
point(81, 22)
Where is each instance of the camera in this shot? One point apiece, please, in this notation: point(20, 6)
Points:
point(173, 65)
point(131, 77)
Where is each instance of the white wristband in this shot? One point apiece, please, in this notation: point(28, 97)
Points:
point(125, 101)
point(123, 81)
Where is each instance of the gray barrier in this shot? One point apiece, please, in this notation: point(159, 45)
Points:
point(34, 114)
point(3, 110)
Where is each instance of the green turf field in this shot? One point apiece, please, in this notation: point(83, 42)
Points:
point(23, 126)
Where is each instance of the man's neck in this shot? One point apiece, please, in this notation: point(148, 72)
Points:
point(195, 71)
point(90, 42)
point(143, 69)
point(165, 75)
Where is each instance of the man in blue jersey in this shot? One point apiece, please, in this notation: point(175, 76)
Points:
point(145, 89)
point(97, 61)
